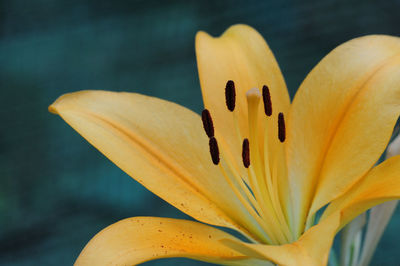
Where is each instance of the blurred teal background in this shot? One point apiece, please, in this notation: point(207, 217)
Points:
point(56, 191)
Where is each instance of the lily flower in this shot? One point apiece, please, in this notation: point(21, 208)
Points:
point(263, 167)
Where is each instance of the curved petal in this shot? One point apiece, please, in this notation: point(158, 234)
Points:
point(381, 184)
point(160, 144)
point(341, 120)
point(241, 55)
point(136, 240)
point(312, 249)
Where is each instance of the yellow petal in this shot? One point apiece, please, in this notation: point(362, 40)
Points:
point(160, 144)
point(312, 249)
point(241, 55)
point(136, 240)
point(341, 119)
point(381, 184)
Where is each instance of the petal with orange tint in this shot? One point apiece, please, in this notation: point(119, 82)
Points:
point(381, 184)
point(136, 240)
point(341, 120)
point(160, 144)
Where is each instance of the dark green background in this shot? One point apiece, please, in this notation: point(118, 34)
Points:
point(56, 191)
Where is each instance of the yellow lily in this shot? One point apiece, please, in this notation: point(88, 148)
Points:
point(273, 163)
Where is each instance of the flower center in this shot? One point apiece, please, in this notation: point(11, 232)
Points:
point(260, 190)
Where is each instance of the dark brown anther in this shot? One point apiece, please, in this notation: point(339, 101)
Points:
point(267, 100)
point(281, 127)
point(207, 123)
point(246, 153)
point(214, 151)
point(230, 95)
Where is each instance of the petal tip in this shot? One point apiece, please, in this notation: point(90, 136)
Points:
point(52, 109)
point(240, 26)
point(241, 29)
point(202, 36)
point(65, 99)
point(230, 30)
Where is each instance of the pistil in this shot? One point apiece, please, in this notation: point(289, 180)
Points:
point(253, 98)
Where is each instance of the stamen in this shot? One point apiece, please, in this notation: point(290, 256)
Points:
point(246, 153)
point(275, 177)
point(251, 208)
point(281, 128)
point(214, 151)
point(267, 100)
point(207, 123)
point(230, 95)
